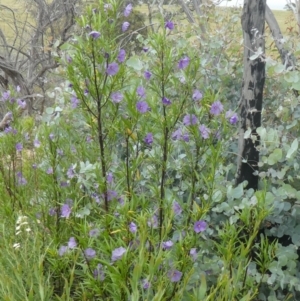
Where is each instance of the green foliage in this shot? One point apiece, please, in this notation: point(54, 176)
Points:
point(93, 209)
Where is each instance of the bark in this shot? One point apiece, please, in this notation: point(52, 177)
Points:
point(253, 25)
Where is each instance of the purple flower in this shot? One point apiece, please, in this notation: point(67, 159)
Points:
point(204, 131)
point(185, 137)
point(89, 253)
point(145, 49)
point(125, 26)
point(94, 34)
point(69, 59)
point(127, 10)
point(141, 92)
point(5, 95)
point(111, 194)
point(177, 208)
point(147, 75)
point(51, 137)
point(18, 89)
point(62, 250)
point(94, 232)
point(65, 210)
point(19, 147)
point(132, 227)
point(72, 243)
point(21, 180)
point(216, 108)
point(52, 211)
point(117, 254)
point(109, 178)
point(193, 253)
point(21, 103)
point(64, 184)
point(70, 172)
point(145, 284)
point(74, 102)
point(184, 62)
point(232, 116)
point(166, 101)
point(99, 273)
point(148, 139)
point(142, 106)
point(200, 226)
point(121, 55)
point(234, 119)
point(36, 143)
point(116, 97)
point(175, 275)
point(49, 171)
point(60, 152)
point(190, 119)
point(112, 69)
point(169, 25)
point(167, 245)
point(86, 92)
point(197, 95)
point(153, 222)
point(179, 135)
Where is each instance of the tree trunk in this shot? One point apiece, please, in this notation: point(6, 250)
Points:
point(253, 25)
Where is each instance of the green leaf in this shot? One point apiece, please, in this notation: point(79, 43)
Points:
point(275, 156)
point(237, 192)
point(135, 63)
point(49, 111)
point(201, 292)
point(293, 149)
point(279, 68)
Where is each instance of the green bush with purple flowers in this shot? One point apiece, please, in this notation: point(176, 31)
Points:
point(123, 189)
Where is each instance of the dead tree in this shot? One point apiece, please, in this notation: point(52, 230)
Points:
point(253, 25)
point(287, 57)
point(28, 57)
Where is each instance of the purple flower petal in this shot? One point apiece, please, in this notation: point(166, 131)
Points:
point(116, 97)
point(132, 227)
point(169, 25)
point(142, 106)
point(125, 26)
point(167, 245)
point(148, 139)
point(121, 55)
point(127, 10)
point(197, 95)
point(190, 119)
point(204, 131)
point(65, 211)
point(89, 253)
point(200, 226)
point(112, 69)
point(147, 75)
point(72, 243)
point(94, 34)
point(175, 275)
point(118, 254)
point(184, 62)
point(166, 101)
point(216, 108)
point(62, 250)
